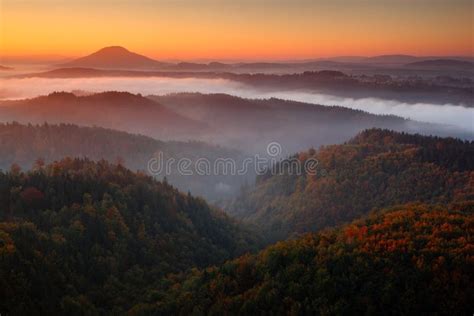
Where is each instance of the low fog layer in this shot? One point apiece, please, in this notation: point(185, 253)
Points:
point(445, 114)
point(30, 87)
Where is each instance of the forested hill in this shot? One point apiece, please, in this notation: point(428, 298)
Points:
point(82, 237)
point(296, 126)
point(112, 109)
point(451, 153)
point(25, 144)
point(414, 259)
point(378, 168)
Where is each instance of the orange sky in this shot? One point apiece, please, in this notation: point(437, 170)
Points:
point(258, 29)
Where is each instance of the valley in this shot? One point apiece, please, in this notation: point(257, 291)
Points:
point(284, 157)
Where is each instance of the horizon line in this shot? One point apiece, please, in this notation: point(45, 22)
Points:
point(60, 57)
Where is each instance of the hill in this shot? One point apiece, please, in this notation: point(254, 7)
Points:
point(215, 118)
point(413, 259)
point(114, 57)
point(376, 169)
point(118, 110)
point(25, 144)
point(294, 125)
point(79, 237)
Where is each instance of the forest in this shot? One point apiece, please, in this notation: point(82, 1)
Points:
point(82, 237)
point(376, 169)
point(413, 259)
point(386, 223)
point(236, 157)
point(25, 145)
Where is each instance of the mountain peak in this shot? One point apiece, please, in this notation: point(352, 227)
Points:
point(113, 49)
point(115, 57)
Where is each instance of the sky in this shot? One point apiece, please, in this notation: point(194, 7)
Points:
point(238, 29)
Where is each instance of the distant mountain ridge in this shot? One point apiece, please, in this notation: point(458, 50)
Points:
point(118, 110)
point(295, 125)
point(331, 82)
point(215, 118)
point(119, 58)
point(392, 59)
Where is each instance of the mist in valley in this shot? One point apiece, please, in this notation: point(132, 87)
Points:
point(16, 88)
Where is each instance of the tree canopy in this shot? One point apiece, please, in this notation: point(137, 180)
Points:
point(83, 237)
point(412, 259)
point(376, 169)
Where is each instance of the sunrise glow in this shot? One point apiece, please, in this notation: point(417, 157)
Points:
point(237, 29)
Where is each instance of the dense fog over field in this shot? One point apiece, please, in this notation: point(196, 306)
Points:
point(30, 87)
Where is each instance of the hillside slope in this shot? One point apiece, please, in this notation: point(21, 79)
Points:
point(25, 144)
point(413, 259)
point(294, 125)
point(94, 237)
point(376, 169)
point(118, 110)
